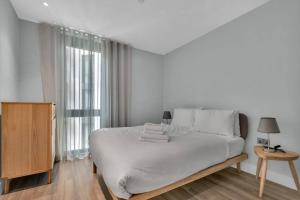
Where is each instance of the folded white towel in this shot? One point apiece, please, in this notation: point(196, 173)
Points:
point(152, 127)
point(146, 135)
point(154, 132)
point(152, 140)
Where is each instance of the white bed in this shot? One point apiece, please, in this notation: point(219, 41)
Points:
point(130, 166)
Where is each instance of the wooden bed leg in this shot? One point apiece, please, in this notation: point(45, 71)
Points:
point(94, 168)
point(238, 167)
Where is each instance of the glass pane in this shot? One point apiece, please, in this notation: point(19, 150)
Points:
point(82, 100)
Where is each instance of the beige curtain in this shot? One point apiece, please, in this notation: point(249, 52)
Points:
point(47, 62)
point(50, 79)
point(66, 54)
point(115, 84)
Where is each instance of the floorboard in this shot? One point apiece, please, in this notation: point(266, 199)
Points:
point(75, 181)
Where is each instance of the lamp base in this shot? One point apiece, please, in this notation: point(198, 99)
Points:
point(268, 148)
point(166, 121)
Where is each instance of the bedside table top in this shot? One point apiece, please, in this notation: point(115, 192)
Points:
point(289, 155)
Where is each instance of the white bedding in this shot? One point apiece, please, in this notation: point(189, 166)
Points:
point(130, 166)
point(235, 145)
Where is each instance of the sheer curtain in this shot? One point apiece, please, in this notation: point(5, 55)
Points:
point(79, 55)
point(89, 79)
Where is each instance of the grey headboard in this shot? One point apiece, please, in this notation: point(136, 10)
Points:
point(243, 125)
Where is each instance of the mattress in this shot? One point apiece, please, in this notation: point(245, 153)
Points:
point(235, 145)
point(130, 166)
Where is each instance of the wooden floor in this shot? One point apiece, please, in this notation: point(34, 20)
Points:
point(75, 181)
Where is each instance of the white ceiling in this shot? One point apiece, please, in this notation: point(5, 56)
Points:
point(158, 26)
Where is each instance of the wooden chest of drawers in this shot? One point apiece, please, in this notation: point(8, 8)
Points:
point(27, 140)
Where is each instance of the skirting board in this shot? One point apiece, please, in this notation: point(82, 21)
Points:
point(286, 181)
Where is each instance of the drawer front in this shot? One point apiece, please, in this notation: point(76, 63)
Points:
point(41, 137)
point(26, 139)
point(16, 139)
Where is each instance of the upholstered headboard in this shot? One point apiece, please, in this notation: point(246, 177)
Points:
point(243, 125)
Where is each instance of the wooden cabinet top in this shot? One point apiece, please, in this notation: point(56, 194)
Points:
point(8, 102)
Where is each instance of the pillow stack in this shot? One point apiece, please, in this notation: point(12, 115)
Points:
point(221, 122)
point(153, 133)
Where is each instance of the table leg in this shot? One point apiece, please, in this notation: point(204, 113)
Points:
point(50, 176)
point(263, 177)
point(294, 173)
point(258, 168)
point(6, 185)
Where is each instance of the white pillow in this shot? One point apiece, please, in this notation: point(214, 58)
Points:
point(184, 117)
point(237, 130)
point(215, 121)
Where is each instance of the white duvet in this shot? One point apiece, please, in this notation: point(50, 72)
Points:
point(130, 166)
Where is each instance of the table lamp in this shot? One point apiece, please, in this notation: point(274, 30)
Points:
point(269, 126)
point(167, 116)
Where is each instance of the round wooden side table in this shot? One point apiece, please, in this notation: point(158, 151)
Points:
point(262, 164)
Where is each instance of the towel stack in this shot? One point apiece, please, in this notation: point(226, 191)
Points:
point(153, 133)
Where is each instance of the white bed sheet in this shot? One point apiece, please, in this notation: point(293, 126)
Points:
point(130, 166)
point(235, 146)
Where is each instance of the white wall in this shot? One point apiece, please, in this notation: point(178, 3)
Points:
point(9, 52)
point(30, 75)
point(251, 64)
point(147, 76)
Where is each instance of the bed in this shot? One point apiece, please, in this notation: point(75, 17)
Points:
point(135, 170)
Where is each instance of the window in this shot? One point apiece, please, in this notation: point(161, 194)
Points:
point(82, 97)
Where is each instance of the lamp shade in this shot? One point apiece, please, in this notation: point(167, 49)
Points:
point(167, 115)
point(268, 125)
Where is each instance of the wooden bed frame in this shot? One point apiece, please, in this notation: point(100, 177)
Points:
point(215, 168)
